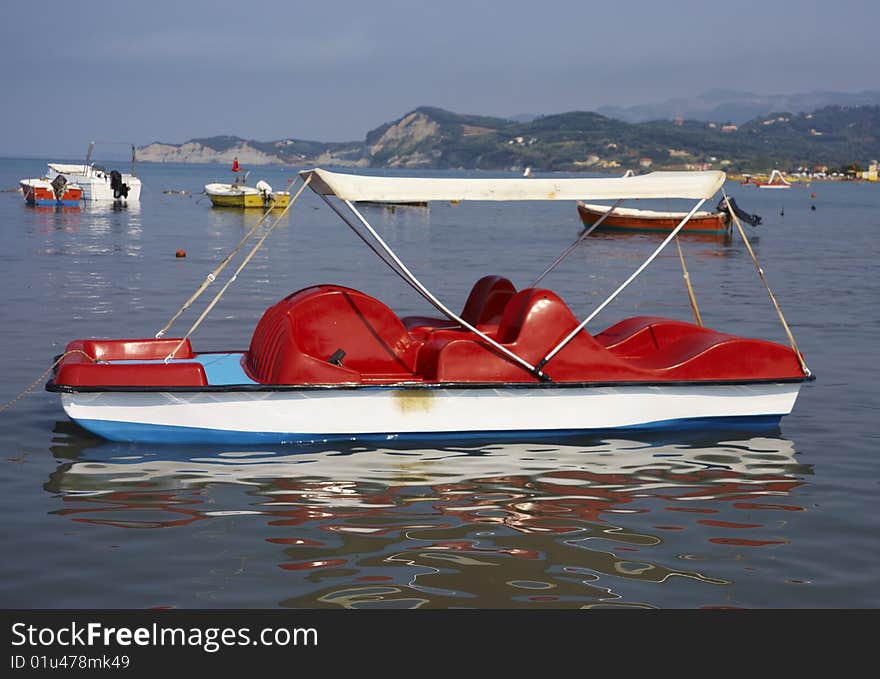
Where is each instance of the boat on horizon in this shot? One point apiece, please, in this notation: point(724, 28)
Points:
point(774, 181)
point(329, 362)
point(392, 204)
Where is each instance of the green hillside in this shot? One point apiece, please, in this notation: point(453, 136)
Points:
point(430, 137)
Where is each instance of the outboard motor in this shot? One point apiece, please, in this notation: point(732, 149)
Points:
point(59, 184)
point(265, 190)
point(754, 220)
point(120, 190)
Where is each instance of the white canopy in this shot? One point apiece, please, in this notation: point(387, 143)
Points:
point(694, 185)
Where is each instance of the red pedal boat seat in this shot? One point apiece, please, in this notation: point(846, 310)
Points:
point(297, 338)
point(483, 309)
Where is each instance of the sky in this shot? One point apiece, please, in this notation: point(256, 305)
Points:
point(169, 71)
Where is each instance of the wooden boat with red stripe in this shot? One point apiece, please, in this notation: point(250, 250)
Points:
point(628, 219)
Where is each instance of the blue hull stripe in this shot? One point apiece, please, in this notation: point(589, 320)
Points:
point(52, 203)
point(159, 433)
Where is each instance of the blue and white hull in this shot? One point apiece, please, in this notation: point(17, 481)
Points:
point(322, 414)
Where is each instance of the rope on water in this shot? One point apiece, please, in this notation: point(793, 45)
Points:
point(213, 275)
point(760, 271)
point(690, 288)
point(238, 270)
point(58, 360)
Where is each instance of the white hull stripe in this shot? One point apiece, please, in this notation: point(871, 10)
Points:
point(355, 413)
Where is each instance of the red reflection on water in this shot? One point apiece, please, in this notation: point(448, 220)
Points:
point(308, 565)
point(128, 503)
point(740, 542)
point(728, 524)
point(758, 505)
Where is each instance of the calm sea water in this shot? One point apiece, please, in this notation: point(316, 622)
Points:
point(781, 519)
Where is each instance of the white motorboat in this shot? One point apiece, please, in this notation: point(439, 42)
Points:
point(98, 183)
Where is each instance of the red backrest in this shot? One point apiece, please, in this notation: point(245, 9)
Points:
point(306, 328)
point(536, 316)
point(487, 299)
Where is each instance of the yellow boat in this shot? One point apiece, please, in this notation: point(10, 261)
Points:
point(240, 196)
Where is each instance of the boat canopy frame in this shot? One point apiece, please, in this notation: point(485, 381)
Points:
point(348, 188)
point(91, 149)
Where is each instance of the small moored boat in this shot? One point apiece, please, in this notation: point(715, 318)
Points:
point(629, 219)
point(239, 195)
point(329, 362)
point(99, 184)
point(47, 193)
point(611, 218)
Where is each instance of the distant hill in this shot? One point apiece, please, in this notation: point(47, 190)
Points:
point(430, 137)
point(731, 106)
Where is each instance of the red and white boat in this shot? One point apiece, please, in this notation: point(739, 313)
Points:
point(58, 192)
point(329, 362)
point(98, 184)
point(774, 181)
point(628, 219)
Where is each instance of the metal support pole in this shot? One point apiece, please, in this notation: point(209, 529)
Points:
point(623, 286)
point(366, 242)
point(788, 332)
point(437, 303)
point(574, 245)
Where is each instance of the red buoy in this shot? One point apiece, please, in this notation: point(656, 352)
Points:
point(180, 253)
point(812, 195)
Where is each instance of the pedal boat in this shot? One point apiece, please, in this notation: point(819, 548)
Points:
point(332, 363)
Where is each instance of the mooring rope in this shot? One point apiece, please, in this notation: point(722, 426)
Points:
point(58, 360)
point(213, 275)
point(760, 271)
point(238, 270)
point(687, 282)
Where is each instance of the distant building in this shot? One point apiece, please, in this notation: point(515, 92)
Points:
point(871, 173)
point(729, 128)
point(645, 162)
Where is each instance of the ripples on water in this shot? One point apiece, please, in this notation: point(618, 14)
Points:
point(588, 523)
point(711, 519)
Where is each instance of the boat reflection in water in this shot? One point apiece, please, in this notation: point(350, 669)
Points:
point(591, 522)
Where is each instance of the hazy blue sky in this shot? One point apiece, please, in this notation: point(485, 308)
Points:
point(171, 70)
